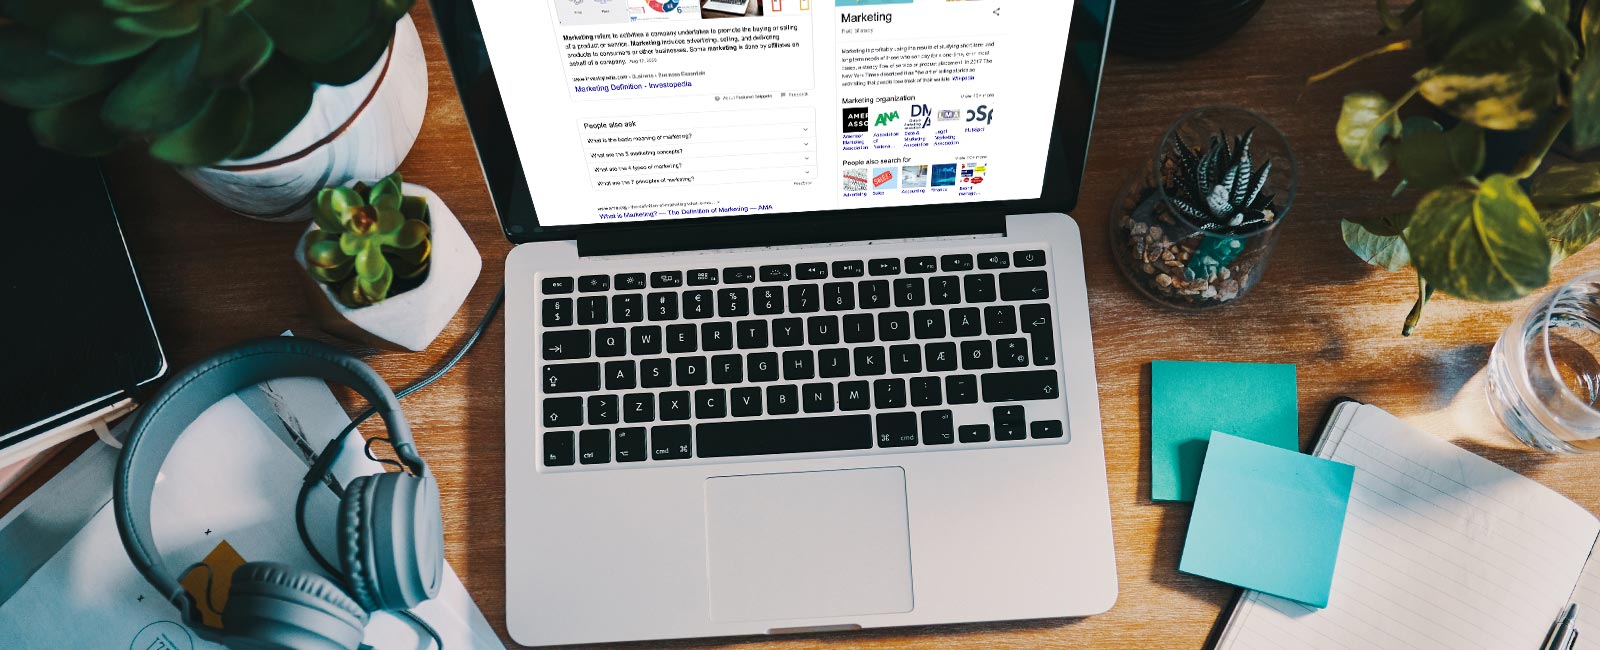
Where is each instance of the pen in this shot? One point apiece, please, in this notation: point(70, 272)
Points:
point(1564, 634)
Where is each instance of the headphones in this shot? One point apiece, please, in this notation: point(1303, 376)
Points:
point(390, 535)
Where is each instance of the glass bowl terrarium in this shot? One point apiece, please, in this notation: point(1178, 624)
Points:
point(1195, 227)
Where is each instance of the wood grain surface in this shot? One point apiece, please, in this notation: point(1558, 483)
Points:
point(214, 278)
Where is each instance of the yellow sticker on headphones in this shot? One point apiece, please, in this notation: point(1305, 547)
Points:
point(209, 583)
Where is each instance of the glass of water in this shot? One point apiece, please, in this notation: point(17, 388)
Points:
point(1544, 373)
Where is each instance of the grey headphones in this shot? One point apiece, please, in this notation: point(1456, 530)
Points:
point(390, 536)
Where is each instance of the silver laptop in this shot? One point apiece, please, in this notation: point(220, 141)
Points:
point(797, 340)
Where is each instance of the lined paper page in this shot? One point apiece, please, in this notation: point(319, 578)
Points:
point(1587, 596)
point(1442, 549)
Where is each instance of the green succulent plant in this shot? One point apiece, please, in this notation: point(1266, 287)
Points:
point(1221, 192)
point(195, 81)
point(366, 239)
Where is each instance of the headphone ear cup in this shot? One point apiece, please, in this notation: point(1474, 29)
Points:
point(391, 542)
point(274, 606)
point(355, 545)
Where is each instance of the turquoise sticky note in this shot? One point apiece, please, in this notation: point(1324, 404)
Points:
point(1190, 399)
point(1268, 519)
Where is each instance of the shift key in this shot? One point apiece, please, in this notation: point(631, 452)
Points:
point(571, 378)
point(1020, 386)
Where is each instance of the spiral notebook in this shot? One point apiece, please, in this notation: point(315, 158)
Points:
point(1442, 549)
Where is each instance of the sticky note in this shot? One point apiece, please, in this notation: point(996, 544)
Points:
point(1268, 519)
point(1190, 399)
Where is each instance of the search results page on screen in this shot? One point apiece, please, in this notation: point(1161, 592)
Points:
point(667, 109)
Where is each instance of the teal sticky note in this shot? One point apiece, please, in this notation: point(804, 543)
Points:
point(1268, 519)
point(1190, 399)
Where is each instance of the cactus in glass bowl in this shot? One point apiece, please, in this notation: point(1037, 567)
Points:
point(196, 82)
point(367, 239)
point(1218, 189)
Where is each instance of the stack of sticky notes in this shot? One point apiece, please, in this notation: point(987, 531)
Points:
point(1266, 517)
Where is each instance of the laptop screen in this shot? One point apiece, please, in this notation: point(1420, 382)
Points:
point(638, 110)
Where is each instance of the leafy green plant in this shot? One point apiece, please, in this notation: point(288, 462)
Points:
point(1491, 65)
point(366, 239)
point(195, 81)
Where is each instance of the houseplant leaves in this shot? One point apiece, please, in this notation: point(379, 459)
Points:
point(91, 38)
point(1502, 75)
point(161, 94)
point(214, 134)
point(1486, 245)
point(281, 96)
point(1571, 229)
point(31, 78)
point(232, 48)
point(1388, 252)
point(74, 128)
point(1366, 120)
point(1429, 158)
point(1565, 184)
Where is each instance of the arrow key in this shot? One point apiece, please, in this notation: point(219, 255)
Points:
point(1025, 285)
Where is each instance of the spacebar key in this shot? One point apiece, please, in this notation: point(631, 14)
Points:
point(786, 436)
point(1020, 386)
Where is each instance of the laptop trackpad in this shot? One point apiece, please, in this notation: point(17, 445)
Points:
point(808, 544)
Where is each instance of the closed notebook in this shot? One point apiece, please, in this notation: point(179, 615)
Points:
point(1442, 549)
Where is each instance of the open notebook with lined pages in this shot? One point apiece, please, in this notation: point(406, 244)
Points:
point(1442, 549)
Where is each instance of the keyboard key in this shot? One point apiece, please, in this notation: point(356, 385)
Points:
point(955, 263)
point(715, 337)
point(783, 399)
point(1030, 258)
point(965, 321)
point(979, 287)
point(889, 393)
point(944, 290)
point(1045, 429)
point(621, 375)
point(905, 359)
point(817, 398)
point(924, 264)
point(784, 436)
point(752, 334)
point(710, 404)
point(556, 285)
point(822, 330)
point(799, 365)
point(885, 266)
point(938, 428)
point(1011, 353)
point(763, 367)
point(909, 292)
point(928, 323)
point(746, 402)
point(775, 273)
point(897, 429)
point(875, 294)
point(1020, 385)
point(833, 363)
point(1025, 285)
point(858, 328)
point(733, 302)
point(666, 279)
point(849, 269)
point(571, 378)
point(702, 277)
point(638, 407)
point(894, 326)
point(925, 391)
point(655, 373)
point(1010, 414)
point(769, 300)
point(630, 444)
point(1000, 319)
point(563, 411)
point(941, 357)
point(691, 371)
point(592, 310)
point(568, 344)
point(974, 433)
point(811, 271)
point(727, 369)
point(804, 298)
point(1036, 324)
point(853, 396)
point(627, 308)
point(994, 260)
point(836, 296)
point(698, 304)
point(593, 283)
point(610, 342)
point(674, 405)
point(558, 448)
point(739, 275)
point(671, 442)
point(681, 339)
point(1008, 431)
point(557, 312)
point(961, 389)
point(869, 361)
point(603, 409)
point(663, 306)
point(645, 340)
point(977, 355)
point(629, 281)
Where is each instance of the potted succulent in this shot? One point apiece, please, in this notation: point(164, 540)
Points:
point(388, 264)
point(1194, 230)
point(258, 103)
point(1522, 74)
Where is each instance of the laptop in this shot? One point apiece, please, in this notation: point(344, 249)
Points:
point(798, 339)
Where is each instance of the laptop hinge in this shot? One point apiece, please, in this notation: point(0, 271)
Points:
point(789, 232)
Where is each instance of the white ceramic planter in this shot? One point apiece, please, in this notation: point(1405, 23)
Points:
point(359, 131)
point(409, 320)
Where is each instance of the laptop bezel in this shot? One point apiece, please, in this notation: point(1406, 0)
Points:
point(509, 191)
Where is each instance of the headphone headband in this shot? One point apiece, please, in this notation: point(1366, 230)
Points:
point(185, 397)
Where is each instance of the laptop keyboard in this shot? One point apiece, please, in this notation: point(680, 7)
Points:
point(840, 356)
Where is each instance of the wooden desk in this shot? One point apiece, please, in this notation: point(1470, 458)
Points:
point(215, 278)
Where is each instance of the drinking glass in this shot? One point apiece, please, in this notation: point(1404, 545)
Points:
point(1544, 373)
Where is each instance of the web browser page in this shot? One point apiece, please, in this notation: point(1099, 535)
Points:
point(670, 109)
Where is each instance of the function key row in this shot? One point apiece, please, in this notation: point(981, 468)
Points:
point(784, 272)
